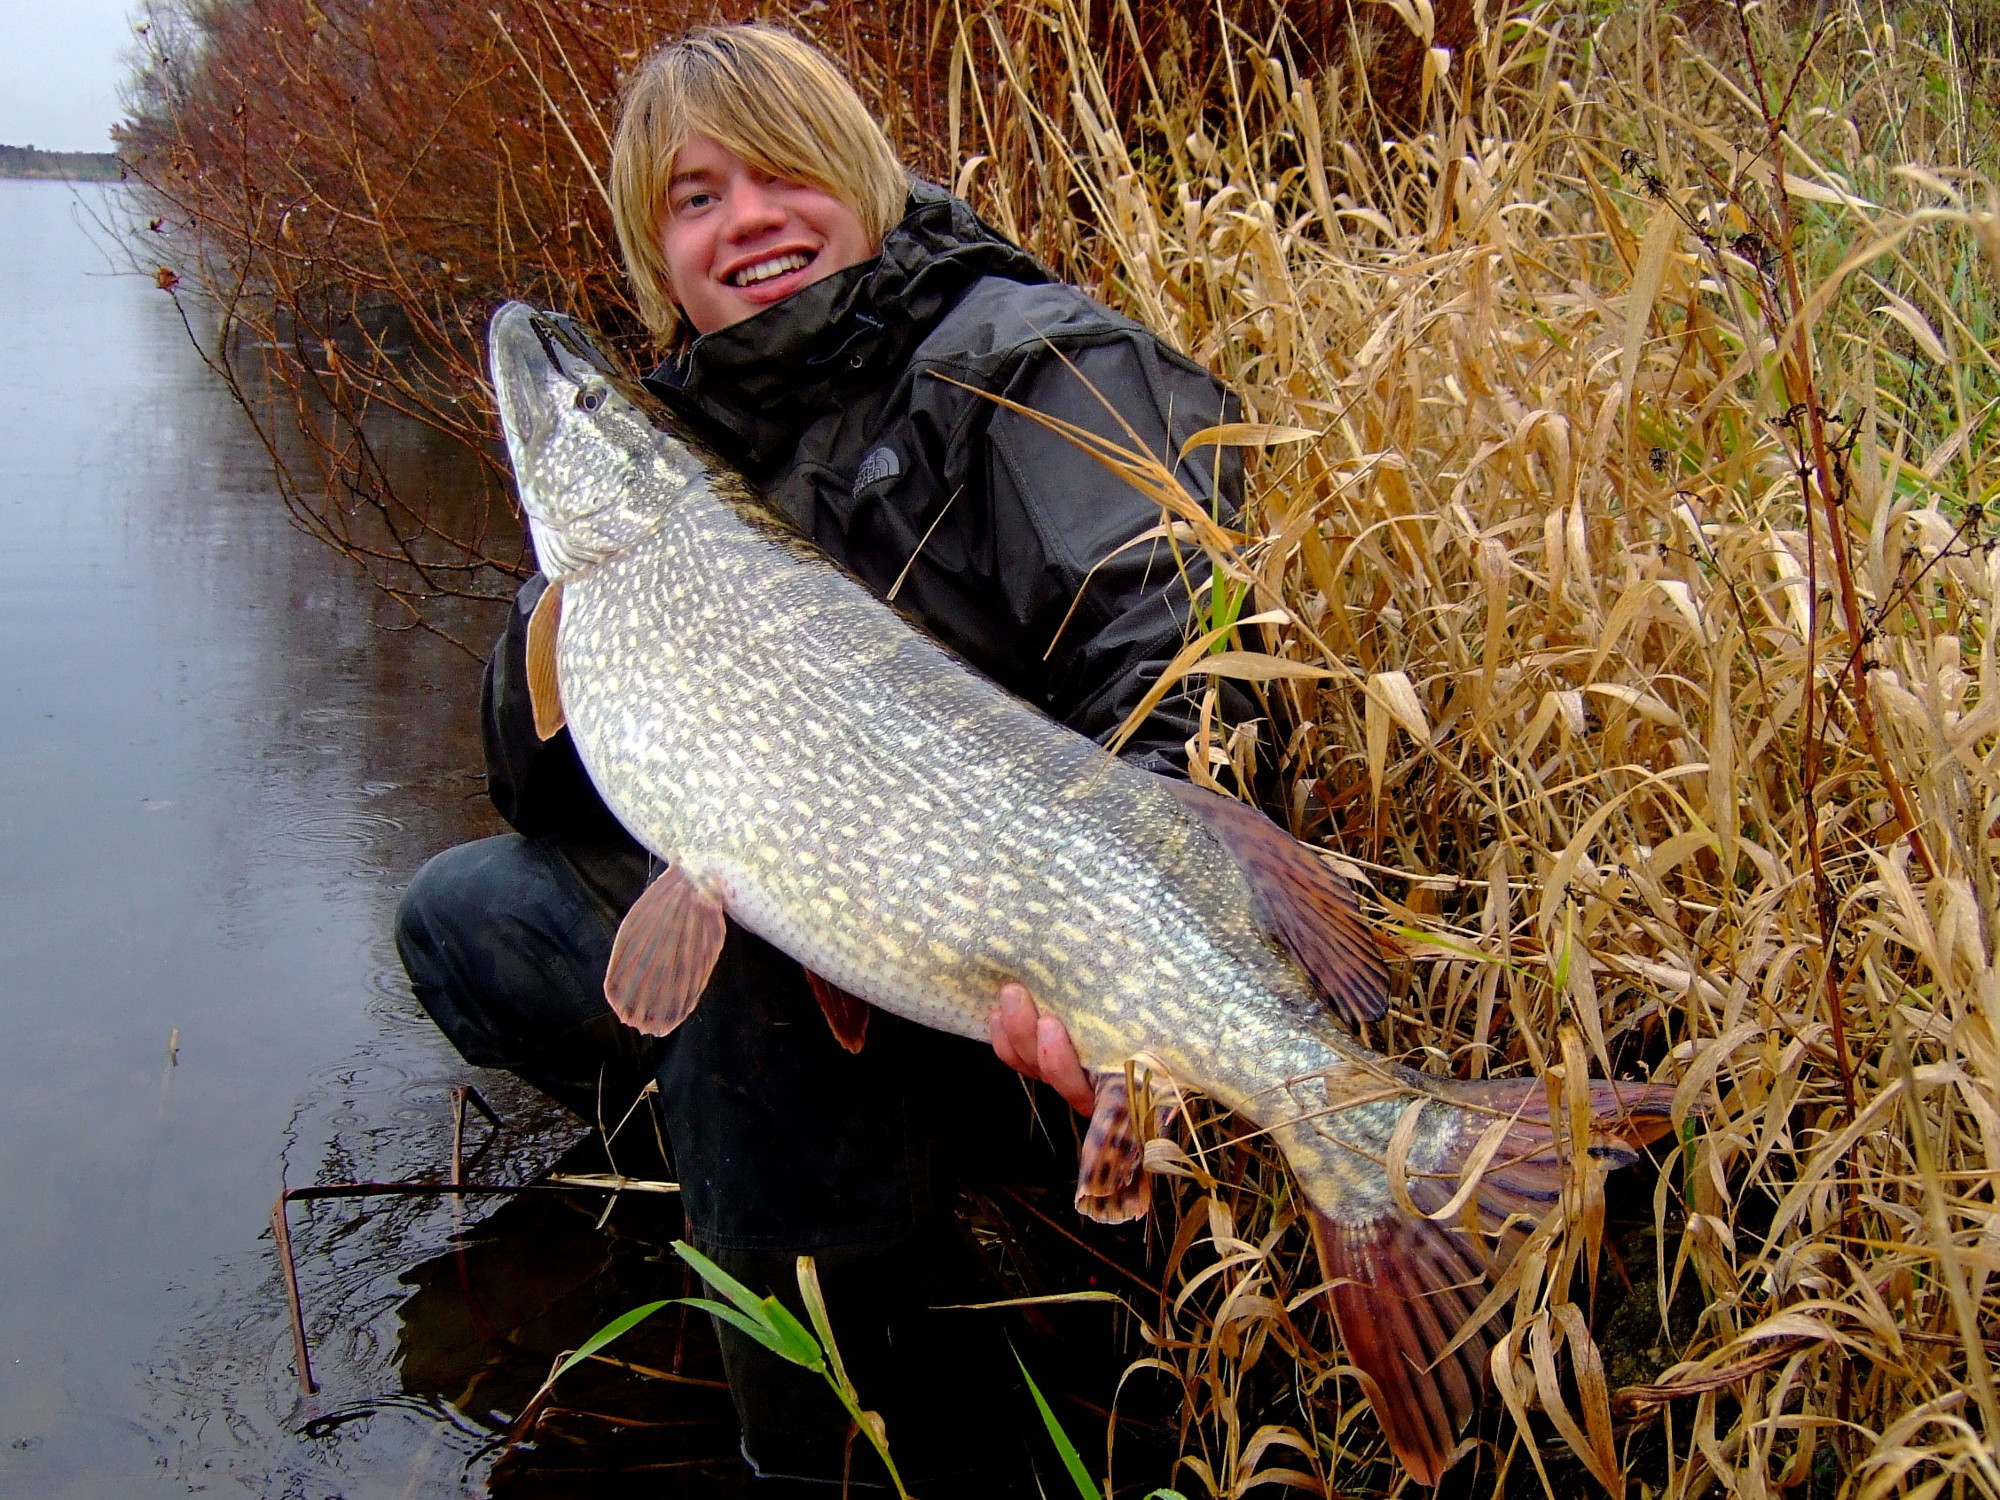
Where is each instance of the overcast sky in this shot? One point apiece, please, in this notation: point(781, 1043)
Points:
point(61, 64)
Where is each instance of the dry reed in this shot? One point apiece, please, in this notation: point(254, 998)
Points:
point(1634, 509)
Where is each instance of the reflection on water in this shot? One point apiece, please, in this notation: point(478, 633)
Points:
point(218, 769)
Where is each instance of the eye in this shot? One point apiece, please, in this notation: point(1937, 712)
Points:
point(590, 398)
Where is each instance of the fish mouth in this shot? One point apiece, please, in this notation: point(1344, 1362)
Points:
point(538, 360)
point(522, 360)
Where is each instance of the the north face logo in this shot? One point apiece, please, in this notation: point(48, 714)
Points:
point(880, 465)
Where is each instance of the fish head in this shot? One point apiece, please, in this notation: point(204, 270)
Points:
point(595, 460)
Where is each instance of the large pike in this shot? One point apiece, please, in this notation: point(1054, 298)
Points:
point(812, 766)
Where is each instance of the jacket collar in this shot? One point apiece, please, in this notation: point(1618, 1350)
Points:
point(753, 386)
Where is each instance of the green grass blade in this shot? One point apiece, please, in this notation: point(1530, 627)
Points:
point(765, 1319)
point(1086, 1487)
point(616, 1328)
point(720, 1279)
point(1225, 608)
point(752, 1324)
point(795, 1343)
point(814, 1298)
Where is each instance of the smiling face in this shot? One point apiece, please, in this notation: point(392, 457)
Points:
point(737, 240)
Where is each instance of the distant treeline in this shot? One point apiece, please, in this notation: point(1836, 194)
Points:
point(28, 161)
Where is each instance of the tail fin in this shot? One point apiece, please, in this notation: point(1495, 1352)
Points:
point(1404, 1289)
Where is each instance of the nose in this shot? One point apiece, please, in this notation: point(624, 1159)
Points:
point(754, 209)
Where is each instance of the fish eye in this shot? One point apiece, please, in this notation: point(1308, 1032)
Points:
point(590, 398)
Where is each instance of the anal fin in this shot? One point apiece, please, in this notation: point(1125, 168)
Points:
point(544, 690)
point(846, 1014)
point(1308, 908)
point(1405, 1288)
point(1111, 1182)
point(664, 952)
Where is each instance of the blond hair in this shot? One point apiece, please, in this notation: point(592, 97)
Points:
point(775, 100)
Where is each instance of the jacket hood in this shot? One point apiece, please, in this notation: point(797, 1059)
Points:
point(753, 385)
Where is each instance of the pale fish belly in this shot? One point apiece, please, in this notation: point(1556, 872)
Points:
point(894, 822)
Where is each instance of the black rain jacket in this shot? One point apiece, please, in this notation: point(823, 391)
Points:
point(855, 405)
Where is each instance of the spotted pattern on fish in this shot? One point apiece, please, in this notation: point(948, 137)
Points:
point(847, 789)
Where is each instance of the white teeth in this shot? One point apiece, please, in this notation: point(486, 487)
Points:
point(764, 270)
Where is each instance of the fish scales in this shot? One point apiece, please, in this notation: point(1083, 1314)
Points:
point(992, 851)
point(840, 784)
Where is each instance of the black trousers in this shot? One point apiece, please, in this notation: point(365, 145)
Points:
point(784, 1145)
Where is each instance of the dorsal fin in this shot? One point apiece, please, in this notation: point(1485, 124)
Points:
point(1307, 907)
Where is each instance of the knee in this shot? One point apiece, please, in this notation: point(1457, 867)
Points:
point(463, 902)
point(505, 950)
point(503, 925)
point(456, 889)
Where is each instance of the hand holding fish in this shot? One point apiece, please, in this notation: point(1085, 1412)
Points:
point(1037, 1044)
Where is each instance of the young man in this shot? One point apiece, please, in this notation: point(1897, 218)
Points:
point(833, 324)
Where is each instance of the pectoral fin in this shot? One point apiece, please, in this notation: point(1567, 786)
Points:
point(664, 952)
point(544, 691)
point(1306, 906)
point(1111, 1182)
point(846, 1014)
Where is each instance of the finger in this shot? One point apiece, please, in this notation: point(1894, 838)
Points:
point(1018, 1015)
point(1003, 1042)
point(1055, 1060)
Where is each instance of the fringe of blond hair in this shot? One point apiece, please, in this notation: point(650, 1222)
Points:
point(775, 100)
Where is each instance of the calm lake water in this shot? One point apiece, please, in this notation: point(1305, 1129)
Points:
point(219, 766)
point(217, 770)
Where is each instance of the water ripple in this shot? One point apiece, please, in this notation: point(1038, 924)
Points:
point(339, 829)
